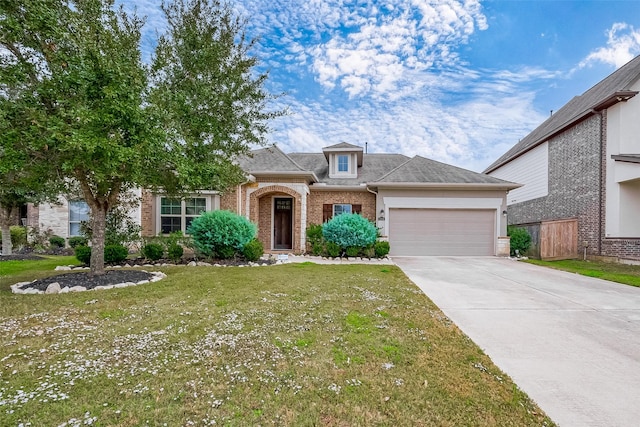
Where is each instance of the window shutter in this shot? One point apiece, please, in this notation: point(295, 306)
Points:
point(327, 212)
point(356, 209)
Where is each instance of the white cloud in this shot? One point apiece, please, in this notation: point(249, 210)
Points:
point(623, 44)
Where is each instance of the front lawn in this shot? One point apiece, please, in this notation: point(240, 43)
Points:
point(621, 273)
point(296, 344)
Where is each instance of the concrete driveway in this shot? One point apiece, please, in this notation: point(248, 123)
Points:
point(572, 343)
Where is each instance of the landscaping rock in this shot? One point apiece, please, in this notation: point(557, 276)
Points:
point(77, 289)
point(53, 288)
point(62, 268)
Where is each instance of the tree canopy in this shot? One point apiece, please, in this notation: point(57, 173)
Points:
point(101, 119)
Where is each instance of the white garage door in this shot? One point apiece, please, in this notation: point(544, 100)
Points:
point(425, 232)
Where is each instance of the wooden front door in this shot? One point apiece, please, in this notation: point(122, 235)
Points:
point(282, 223)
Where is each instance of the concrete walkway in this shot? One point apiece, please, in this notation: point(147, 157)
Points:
point(572, 343)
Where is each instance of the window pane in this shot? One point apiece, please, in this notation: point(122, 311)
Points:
point(74, 229)
point(343, 163)
point(170, 206)
point(78, 211)
point(195, 206)
point(171, 224)
point(340, 209)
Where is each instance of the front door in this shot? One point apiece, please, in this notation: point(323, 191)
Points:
point(282, 223)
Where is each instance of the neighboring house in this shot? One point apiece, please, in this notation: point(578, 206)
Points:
point(581, 173)
point(422, 206)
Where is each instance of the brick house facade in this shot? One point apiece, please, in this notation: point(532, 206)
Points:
point(589, 169)
point(285, 193)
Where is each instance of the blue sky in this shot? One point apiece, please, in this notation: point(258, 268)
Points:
point(455, 81)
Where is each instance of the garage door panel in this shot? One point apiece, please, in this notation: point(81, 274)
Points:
point(432, 232)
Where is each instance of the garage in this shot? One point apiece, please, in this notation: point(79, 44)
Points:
point(433, 232)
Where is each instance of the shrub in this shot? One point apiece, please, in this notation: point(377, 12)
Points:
point(317, 249)
point(83, 254)
point(57, 241)
point(333, 249)
point(175, 252)
point(76, 241)
point(253, 250)
point(520, 240)
point(381, 248)
point(352, 251)
point(152, 251)
point(221, 233)
point(349, 230)
point(18, 236)
point(115, 253)
point(314, 237)
point(369, 251)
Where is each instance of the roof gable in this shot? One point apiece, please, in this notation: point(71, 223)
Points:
point(613, 89)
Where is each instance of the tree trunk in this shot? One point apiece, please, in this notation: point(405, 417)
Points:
point(5, 224)
point(98, 225)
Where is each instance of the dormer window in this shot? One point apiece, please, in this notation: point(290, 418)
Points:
point(344, 160)
point(343, 163)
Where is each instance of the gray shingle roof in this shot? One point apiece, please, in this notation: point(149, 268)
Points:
point(376, 169)
point(420, 170)
point(374, 166)
point(269, 159)
point(600, 96)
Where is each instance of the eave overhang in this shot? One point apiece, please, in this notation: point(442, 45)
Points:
point(444, 186)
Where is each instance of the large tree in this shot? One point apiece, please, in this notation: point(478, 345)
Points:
point(108, 129)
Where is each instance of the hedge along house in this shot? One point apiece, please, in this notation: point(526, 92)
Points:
point(581, 173)
point(421, 206)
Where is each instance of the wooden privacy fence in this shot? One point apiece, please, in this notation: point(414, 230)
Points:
point(559, 239)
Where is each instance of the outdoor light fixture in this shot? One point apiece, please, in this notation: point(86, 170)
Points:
point(504, 213)
point(381, 217)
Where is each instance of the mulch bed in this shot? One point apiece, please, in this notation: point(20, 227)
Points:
point(83, 278)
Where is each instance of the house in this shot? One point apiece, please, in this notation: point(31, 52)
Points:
point(580, 171)
point(423, 207)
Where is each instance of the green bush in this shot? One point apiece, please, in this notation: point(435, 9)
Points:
point(349, 230)
point(352, 251)
point(369, 251)
point(221, 233)
point(76, 241)
point(253, 250)
point(520, 240)
point(381, 248)
point(315, 239)
point(115, 253)
point(18, 236)
point(83, 254)
point(333, 249)
point(317, 249)
point(175, 252)
point(57, 241)
point(152, 251)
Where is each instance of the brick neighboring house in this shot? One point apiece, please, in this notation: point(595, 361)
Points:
point(582, 165)
point(422, 206)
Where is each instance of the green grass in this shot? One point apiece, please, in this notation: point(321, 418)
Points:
point(283, 345)
point(614, 272)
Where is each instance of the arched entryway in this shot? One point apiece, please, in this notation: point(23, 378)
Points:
point(277, 211)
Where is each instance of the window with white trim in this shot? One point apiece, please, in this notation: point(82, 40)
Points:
point(343, 163)
point(78, 212)
point(340, 209)
point(177, 214)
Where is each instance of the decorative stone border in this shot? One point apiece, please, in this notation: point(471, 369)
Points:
point(54, 288)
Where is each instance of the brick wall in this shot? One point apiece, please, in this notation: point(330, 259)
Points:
point(229, 201)
point(574, 183)
point(319, 198)
point(147, 220)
